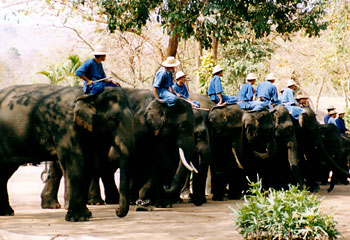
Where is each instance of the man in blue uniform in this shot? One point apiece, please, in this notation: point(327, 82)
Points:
point(180, 88)
point(215, 89)
point(246, 94)
point(162, 85)
point(332, 117)
point(92, 70)
point(289, 101)
point(302, 101)
point(266, 92)
point(327, 116)
point(341, 123)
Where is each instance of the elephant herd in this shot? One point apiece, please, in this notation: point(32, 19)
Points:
point(156, 147)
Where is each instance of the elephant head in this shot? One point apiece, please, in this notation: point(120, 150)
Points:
point(259, 133)
point(108, 118)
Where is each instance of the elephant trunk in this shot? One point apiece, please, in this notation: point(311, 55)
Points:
point(293, 162)
point(270, 150)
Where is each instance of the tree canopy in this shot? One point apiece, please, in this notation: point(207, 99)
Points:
point(215, 18)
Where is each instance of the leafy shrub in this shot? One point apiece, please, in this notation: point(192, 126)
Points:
point(286, 214)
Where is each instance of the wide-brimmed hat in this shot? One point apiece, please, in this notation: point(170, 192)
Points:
point(251, 76)
point(341, 112)
point(171, 62)
point(179, 74)
point(301, 97)
point(217, 69)
point(330, 107)
point(99, 50)
point(333, 112)
point(270, 76)
point(290, 82)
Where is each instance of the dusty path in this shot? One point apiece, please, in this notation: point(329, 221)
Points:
point(184, 221)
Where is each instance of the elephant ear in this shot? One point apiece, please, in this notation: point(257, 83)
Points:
point(84, 111)
point(156, 115)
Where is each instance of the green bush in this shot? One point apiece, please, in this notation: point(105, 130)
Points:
point(286, 214)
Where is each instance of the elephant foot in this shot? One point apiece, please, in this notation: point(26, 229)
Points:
point(143, 205)
point(164, 203)
point(198, 201)
point(50, 204)
point(96, 201)
point(81, 215)
point(7, 211)
point(234, 196)
point(219, 198)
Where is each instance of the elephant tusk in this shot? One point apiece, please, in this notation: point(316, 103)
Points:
point(194, 169)
point(183, 160)
point(237, 161)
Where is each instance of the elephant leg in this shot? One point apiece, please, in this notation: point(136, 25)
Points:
point(50, 190)
point(199, 184)
point(94, 197)
point(5, 173)
point(111, 190)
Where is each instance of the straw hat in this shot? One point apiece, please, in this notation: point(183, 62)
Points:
point(170, 62)
point(290, 82)
point(99, 50)
point(251, 76)
point(333, 112)
point(341, 112)
point(302, 97)
point(179, 74)
point(330, 107)
point(270, 76)
point(217, 69)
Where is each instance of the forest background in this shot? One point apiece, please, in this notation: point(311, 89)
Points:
point(44, 41)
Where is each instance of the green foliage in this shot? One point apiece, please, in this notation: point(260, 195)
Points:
point(347, 117)
point(204, 19)
point(286, 214)
point(63, 73)
point(205, 72)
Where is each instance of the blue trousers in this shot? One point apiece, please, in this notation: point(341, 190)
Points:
point(225, 98)
point(294, 111)
point(167, 96)
point(252, 105)
point(98, 87)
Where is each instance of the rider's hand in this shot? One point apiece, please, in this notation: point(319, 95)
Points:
point(89, 82)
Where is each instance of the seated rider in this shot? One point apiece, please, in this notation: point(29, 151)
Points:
point(162, 85)
point(180, 88)
point(332, 117)
point(302, 101)
point(215, 89)
point(341, 123)
point(92, 70)
point(289, 101)
point(246, 94)
point(327, 116)
point(266, 92)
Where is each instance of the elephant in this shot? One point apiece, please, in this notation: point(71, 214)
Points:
point(285, 165)
point(163, 136)
point(49, 123)
point(312, 151)
point(259, 144)
point(333, 141)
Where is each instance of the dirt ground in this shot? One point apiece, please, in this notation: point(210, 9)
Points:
point(213, 220)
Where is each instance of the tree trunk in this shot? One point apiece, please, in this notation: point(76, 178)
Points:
point(199, 54)
point(172, 45)
point(214, 49)
point(319, 94)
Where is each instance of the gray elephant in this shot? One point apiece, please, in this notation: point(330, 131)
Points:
point(47, 122)
point(284, 167)
point(163, 136)
point(312, 150)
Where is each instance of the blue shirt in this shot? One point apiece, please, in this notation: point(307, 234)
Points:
point(163, 79)
point(268, 91)
point(332, 121)
point(246, 93)
point(91, 69)
point(181, 90)
point(288, 96)
point(326, 118)
point(215, 86)
point(341, 125)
